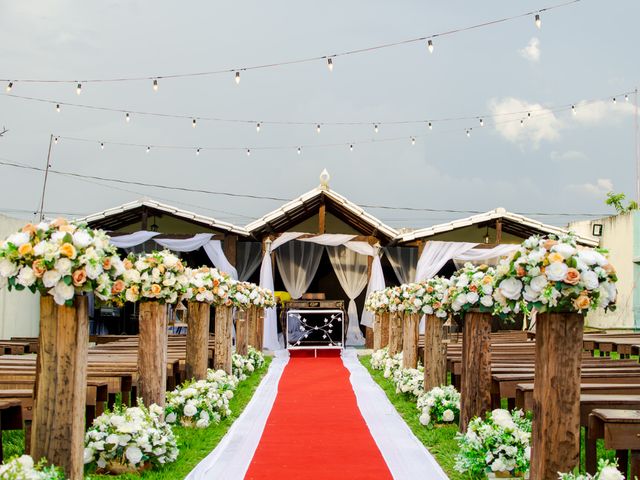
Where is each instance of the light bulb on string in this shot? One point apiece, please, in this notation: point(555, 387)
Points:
point(330, 64)
point(148, 149)
point(573, 109)
point(430, 126)
point(351, 147)
point(198, 151)
point(155, 85)
point(413, 141)
point(529, 114)
point(101, 145)
point(537, 21)
point(481, 122)
point(626, 97)
point(55, 140)
point(614, 100)
point(299, 150)
point(430, 46)
point(9, 86)
point(375, 128)
point(248, 152)
point(258, 127)
point(237, 78)
point(193, 123)
point(58, 107)
point(468, 132)
point(127, 117)
point(522, 122)
point(318, 128)
point(79, 89)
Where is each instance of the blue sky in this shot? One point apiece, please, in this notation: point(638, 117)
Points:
point(557, 162)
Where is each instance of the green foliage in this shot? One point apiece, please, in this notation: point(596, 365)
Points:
point(616, 200)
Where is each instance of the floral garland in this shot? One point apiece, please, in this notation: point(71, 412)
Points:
point(471, 288)
point(129, 439)
point(23, 468)
point(500, 443)
point(439, 405)
point(551, 274)
point(61, 259)
point(607, 470)
point(157, 276)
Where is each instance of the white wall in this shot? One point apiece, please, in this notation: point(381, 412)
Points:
point(19, 311)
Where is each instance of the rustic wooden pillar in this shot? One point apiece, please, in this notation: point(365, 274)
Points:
point(556, 394)
point(410, 340)
point(222, 352)
point(435, 354)
point(475, 385)
point(242, 333)
point(61, 385)
point(260, 331)
point(252, 326)
point(377, 331)
point(152, 353)
point(384, 329)
point(395, 333)
point(368, 337)
point(197, 340)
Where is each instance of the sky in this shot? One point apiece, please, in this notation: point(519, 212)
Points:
point(557, 162)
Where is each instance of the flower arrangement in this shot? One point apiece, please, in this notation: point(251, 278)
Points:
point(391, 365)
point(23, 468)
point(607, 470)
point(377, 301)
point(130, 439)
point(157, 276)
point(409, 380)
point(256, 357)
point(379, 358)
point(471, 287)
point(61, 259)
point(439, 405)
point(435, 295)
point(500, 443)
point(241, 366)
point(197, 404)
point(551, 274)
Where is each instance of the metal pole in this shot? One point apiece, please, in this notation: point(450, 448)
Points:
point(46, 174)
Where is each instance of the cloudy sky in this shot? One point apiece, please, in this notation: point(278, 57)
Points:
point(558, 161)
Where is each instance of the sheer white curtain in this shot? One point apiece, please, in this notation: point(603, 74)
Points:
point(133, 239)
point(351, 269)
point(214, 251)
point(249, 256)
point(298, 263)
point(436, 254)
point(489, 256)
point(404, 261)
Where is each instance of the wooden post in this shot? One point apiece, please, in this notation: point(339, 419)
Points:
point(410, 340)
point(260, 331)
point(384, 329)
point(556, 394)
point(252, 326)
point(395, 333)
point(435, 354)
point(475, 388)
point(152, 353)
point(222, 352)
point(377, 331)
point(242, 333)
point(197, 340)
point(61, 385)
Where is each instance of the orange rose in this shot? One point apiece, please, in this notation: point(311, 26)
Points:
point(555, 257)
point(572, 277)
point(156, 289)
point(202, 290)
point(216, 282)
point(128, 264)
point(582, 302)
point(429, 289)
point(134, 289)
point(68, 250)
point(179, 266)
point(30, 228)
point(215, 290)
point(39, 268)
point(106, 263)
point(79, 277)
point(549, 243)
point(473, 288)
point(521, 272)
point(58, 222)
point(118, 287)
point(25, 249)
point(437, 305)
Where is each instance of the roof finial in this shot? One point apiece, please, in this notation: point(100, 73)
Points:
point(324, 179)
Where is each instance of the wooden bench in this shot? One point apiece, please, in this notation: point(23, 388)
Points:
point(620, 430)
point(524, 391)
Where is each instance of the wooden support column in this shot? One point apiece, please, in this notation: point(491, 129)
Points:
point(377, 331)
point(252, 326)
point(260, 337)
point(152, 353)
point(230, 245)
point(410, 340)
point(222, 352)
point(498, 231)
point(61, 385)
point(435, 354)
point(368, 331)
point(475, 386)
point(384, 329)
point(395, 333)
point(197, 355)
point(242, 333)
point(556, 394)
point(322, 213)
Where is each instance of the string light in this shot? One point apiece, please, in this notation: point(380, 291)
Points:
point(148, 149)
point(351, 147)
point(198, 151)
point(573, 109)
point(468, 132)
point(626, 97)
point(58, 107)
point(102, 145)
point(237, 78)
point(193, 123)
point(9, 86)
point(430, 126)
point(258, 127)
point(299, 150)
point(79, 89)
point(538, 22)
point(375, 128)
point(481, 123)
point(155, 85)
point(318, 128)
point(248, 152)
point(413, 141)
point(614, 100)
point(522, 122)
point(127, 117)
point(330, 64)
point(430, 46)
point(55, 140)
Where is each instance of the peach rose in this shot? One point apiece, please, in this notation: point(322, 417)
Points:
point(156, 289)
point(58, 222)
point(216, 282)
point(106, 263)
point(128, 264)
point(549, 243)
point(429, 289)
point(521, 272)
point(572, 277)
point(610, 269)
point(437, 305)
point(25, 249)
point(118, 287)
point(162, 269)
point(555, 257)
point(487, 279)
point(79, 277)
point(68, 250)
point(68, 228)
point(202, 290)
point(473, 288)
point(179, 266)
point(30, 228)
point(39, 268)
point(582, 302)
point(134, 289)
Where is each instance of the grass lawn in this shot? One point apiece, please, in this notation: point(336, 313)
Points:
point(194, 443)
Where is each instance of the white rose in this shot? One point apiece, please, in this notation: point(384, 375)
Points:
point(564, 249)
point(58, 237)
point(7, 268)
point(587, 256)
point(557, 271)
point(462, 282)
point(425, 419)
point(536, 256)
point(133, 454)
point(51, 278)
point(529, 294)
point(82, 239)
point(19, 238)
point(228, 394)
point(170, 260)
point(26, 461)
point(511, 288)
point(112, 439)
point(610, 473)
point(88, 455)
point(487, 289)
point(503, 418)
point(189, 410)
point(171, 418)
point(202, 423)
point(590, 280)
point(63, 265)
point(538, 283)
point(26, 277)
point(472, 297)
point(93, 271)
point(448, 415)
point(131, 276)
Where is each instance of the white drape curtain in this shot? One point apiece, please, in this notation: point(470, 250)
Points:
point(489, 256)
point(352, 271)
point(298, 263)
point(133, 239)
point(404, 261)
point(436, 254)
point(248, 258)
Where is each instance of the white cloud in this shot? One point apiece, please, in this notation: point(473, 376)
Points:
point(568, 156)
point(532, 51)
point(542, 125)
point(598, 189)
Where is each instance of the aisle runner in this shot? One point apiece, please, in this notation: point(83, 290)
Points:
point(315, 430)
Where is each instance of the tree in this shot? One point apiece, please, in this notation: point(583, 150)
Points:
point(616, 200)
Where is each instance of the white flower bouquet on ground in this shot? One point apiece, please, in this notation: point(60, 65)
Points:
point(553, 274)
point(470, 288)
point(241, 366)
point(198, 404)
point(61, 259)
point(130, 439)
point(439, 405)
point(256, 357)
point(379, 358)
point(409, 381)
point(391, 365)
point(607, 470)
point(498, 444)
point(23, 468)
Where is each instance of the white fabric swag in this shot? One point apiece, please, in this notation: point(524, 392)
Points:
point(351, 269)
point(404, 261)
point(489, 256)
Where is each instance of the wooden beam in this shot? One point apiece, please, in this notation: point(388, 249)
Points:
point(230, 246)
point(143, 220)
point(421, 244)
point(321, 218)
point(498, 231)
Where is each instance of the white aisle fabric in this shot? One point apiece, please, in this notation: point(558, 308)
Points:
point(406, 457)
point(230, 460)
point(351, 269)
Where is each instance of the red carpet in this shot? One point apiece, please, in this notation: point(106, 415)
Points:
point(315, 430)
